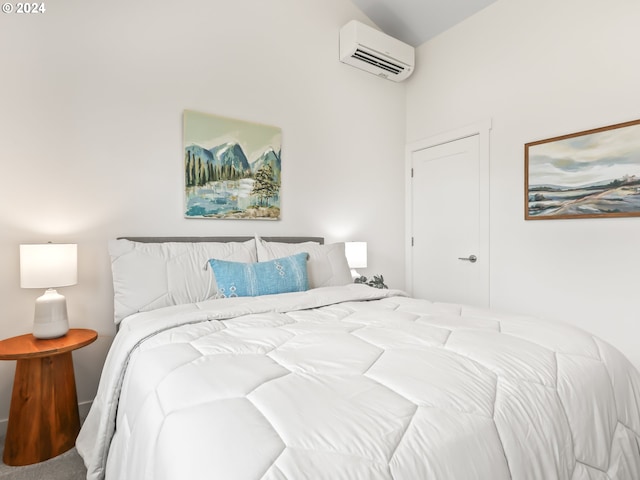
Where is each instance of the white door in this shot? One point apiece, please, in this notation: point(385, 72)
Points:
point(449, 223)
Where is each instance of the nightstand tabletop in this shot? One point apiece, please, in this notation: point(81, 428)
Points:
point(28, 346)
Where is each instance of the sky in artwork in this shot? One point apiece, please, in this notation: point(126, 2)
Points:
point(586, 159)
point(209, 131)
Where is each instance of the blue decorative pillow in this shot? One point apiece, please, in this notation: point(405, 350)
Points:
point(282, 275)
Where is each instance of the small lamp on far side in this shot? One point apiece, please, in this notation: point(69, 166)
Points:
point(356, 253)
point(48, 266)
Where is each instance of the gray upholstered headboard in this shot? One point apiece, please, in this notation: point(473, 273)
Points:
point(223, 239)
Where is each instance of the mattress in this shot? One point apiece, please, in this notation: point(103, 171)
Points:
point(351, 382)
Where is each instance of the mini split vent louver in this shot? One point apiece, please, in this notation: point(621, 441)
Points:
point(375, 52)
point(372, 59)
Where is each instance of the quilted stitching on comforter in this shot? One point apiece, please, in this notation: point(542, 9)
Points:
point(368, 385)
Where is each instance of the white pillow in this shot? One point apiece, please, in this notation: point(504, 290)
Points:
point(147, 276)
point(327, 265)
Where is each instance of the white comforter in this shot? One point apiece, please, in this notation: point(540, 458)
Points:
point(369, 385)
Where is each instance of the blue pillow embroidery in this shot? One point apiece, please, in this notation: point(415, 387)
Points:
point(282, 275)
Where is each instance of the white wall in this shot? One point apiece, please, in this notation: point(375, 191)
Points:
point(538, 70)
point(91, 102)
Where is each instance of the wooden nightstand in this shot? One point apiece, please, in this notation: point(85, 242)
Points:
point(43, 418)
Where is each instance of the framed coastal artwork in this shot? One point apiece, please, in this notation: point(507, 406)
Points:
point(232, 168)
point(590, 174)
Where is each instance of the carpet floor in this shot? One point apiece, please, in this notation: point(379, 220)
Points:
point(68, 466)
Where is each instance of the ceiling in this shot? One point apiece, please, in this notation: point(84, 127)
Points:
point(416, 21)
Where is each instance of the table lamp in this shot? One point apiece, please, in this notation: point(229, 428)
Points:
point(49, 265)
point(356, 253)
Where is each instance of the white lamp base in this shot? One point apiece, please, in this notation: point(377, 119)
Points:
point(50, 319)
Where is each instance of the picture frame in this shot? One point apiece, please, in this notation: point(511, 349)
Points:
point(232, 168)
point(589, 174)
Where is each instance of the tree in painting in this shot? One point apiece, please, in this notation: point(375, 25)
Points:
point(264, 186)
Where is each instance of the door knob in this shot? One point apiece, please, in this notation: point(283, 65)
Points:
point(470, 258)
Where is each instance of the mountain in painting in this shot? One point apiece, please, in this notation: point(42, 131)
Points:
point(231, 155)
point(269, 157)
point(223, 162)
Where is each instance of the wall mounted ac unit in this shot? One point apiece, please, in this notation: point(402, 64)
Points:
point(376, 52)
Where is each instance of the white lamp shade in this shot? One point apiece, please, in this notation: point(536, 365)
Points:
point(48, 265)
point(356, 253)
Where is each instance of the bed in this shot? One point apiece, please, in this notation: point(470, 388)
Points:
point(333, 380)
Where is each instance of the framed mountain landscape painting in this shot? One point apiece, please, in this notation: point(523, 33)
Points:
point(232, 168)
point(590, 174)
